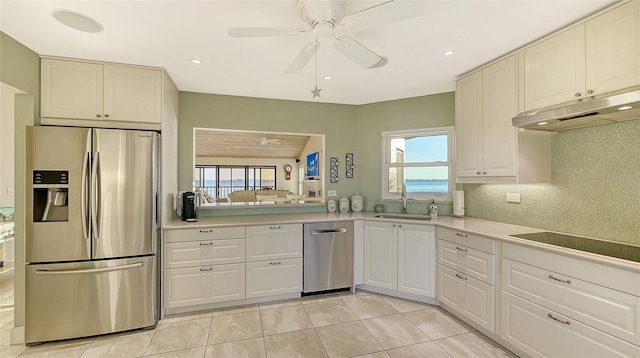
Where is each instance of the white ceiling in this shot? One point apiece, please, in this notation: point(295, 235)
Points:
point(169, 33)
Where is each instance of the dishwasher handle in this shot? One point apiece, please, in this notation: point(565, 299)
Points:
point(328, 231)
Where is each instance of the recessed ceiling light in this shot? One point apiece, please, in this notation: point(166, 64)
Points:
point(196, 61)
point(448, 52)
point(76, 20)
point(624, 108)
point(327, 77)
point(542, 123)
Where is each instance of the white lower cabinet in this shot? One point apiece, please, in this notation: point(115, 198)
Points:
point(400, 257)
point(475, 299)
point(559, 306)
point(466, 275)
point(274, 277)
point(201, 285)
point(274, 260)
point(540, 332)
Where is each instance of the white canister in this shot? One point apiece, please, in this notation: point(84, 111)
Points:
point(357, 202)
point(331, 206)
point(344, 204)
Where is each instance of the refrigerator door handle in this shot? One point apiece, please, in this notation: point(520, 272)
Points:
point(83, 200)
point(94, 196)
point(98, 270)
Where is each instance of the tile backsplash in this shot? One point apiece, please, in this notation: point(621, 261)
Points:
point(595, 189)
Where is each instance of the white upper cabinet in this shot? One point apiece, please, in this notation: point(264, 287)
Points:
point(554, 70)
point(132, 94)
point(77, 90)
point(71, 90)
point(599, 56)
point(489, 147)
point(613, 49)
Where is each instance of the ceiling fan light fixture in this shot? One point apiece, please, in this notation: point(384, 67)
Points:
point(77, 21)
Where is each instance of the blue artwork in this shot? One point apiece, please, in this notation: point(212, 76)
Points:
point(313, 165)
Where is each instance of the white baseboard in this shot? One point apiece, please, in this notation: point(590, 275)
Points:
point(17, 335)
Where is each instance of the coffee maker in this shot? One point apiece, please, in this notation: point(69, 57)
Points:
point(189, 206)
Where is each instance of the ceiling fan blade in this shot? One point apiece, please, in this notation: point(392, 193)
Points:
point(357, 53)
point(265, 31)
point(383, 14)
point(302, 58)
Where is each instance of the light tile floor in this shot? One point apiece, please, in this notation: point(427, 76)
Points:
point(328, 325)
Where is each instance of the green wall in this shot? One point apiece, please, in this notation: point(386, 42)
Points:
point(336, 122)
point(347, 129)
point(410, 113)
point(20, 68)
point(595, 190)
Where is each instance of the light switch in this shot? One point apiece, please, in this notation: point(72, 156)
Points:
point(10, 190)
point(331, 193)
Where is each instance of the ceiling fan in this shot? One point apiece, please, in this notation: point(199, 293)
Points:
point(265, 141)
point(329, 19)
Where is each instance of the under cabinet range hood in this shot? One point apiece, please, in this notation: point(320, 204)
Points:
point(590, 112)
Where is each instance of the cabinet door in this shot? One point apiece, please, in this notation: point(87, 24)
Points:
point(473, 298)
point(71, 90)
point(543, 333)
point(613, 50)
point(499, 105)
point(272, 242)
point(416, 259)
point(380, 255)
point(554, 69)
point(469, 125)
point(132, 94)
point(448, 287)
point(274, 277)
point(201, 285)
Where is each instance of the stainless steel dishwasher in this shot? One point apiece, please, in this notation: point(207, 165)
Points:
point(328, 256)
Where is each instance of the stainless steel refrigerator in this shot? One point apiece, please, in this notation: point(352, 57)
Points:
point(91, 232)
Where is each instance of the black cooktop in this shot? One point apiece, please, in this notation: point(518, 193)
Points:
point(607, 248)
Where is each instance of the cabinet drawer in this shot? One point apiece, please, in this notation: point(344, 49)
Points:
point(469, 240)
point(274, 277)
point(608, 310)
point(201, 285)
point(272, 242)
point(540, 332)
point(477, 264)
point(205, 252)
point(475, 299)
point(180, 235)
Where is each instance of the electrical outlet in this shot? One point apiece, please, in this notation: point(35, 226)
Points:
point(513, 197)
point(331, 193)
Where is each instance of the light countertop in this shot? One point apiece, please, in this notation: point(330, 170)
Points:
point(496, 230)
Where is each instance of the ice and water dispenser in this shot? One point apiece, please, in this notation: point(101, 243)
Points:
point(50, 190)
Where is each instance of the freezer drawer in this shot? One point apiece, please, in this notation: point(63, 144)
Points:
point(81, 299)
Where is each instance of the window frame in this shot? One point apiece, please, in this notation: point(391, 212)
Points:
point(386, 164)
point(245, 168)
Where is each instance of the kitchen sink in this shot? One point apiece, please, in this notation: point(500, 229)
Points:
point(403, 216)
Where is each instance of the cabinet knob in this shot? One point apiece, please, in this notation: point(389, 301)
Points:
point(484, 173)
point(274, 227)
point(206, 231)
point(106, 116)
point(98, 115)
point(578, 94)
point(207, 269)
point(463, 235)
point(399, 225)
point(591, 92)
point(478, 173)
point(275, 263)
point(460, 277)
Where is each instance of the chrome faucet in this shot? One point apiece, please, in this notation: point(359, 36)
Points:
point(403, 196)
